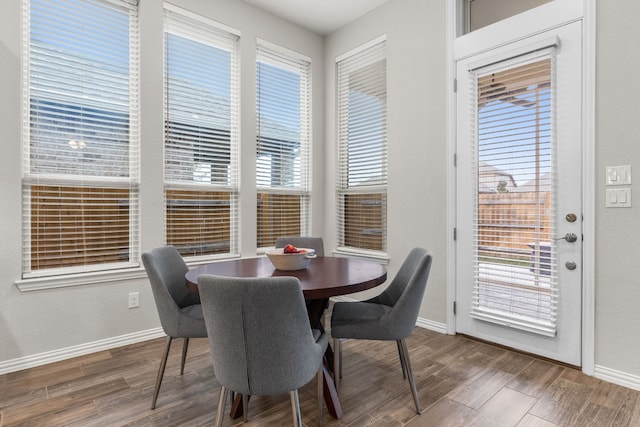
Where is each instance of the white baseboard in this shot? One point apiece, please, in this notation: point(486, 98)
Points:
point(617, 377)
point(343, 298)
point(26, 362)
point(431, 325)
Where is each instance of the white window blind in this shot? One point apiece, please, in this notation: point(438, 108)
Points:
point(515, 255)
point(201, 135)
point(80, 136)
point(283, 155)
point(362, 149)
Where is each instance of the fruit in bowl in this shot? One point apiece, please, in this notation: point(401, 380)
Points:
point(290, 258)
point(290, 249)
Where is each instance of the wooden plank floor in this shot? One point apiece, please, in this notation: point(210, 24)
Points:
point(461, 382)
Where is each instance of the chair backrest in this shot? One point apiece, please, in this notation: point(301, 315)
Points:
point(258, 328)
point(166, 269)
point(405, 292)
point(315, 243)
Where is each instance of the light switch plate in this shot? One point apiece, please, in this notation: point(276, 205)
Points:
point(618, 198)
point(619, 175)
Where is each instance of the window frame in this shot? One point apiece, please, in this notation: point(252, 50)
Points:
point(221, 37)
point(67, 178)
point(380, 186)
point(523, 144)
point(278, 56)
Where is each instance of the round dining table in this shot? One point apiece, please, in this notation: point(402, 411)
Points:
point(324, 277)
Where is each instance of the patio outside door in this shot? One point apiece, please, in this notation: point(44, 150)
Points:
point(518, 177)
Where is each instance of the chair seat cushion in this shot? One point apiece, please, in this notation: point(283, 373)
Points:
point(360, 320)
point(194, 311)
point(191, 324)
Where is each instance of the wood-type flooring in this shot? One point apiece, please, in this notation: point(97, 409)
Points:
point(461, 382)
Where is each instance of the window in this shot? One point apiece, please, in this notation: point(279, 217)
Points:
point(283, 108)
point(80, 143)
point(362, 149)
point(480, 13)
point(514, 253)
point(201, 135)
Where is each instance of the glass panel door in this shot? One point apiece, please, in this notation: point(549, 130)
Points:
point(518, 175)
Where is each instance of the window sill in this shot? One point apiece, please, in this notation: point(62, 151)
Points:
point(99, 277)
point(208, 259)
point(68, 280)
point(380, 257)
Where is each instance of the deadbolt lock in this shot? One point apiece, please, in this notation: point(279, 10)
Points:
point(571, 217)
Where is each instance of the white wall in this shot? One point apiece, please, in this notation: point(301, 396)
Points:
point(41, 324)
point(417, 130)
point(618, 230)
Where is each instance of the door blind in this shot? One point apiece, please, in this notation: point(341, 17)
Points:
point(201, 135)
point(514, 252)
point(362, 149)
point(80, 145)
point(283, 155)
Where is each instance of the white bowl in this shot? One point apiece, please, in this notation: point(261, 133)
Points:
point(290, 262)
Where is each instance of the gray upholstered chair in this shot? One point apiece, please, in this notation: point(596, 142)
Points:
point(315, 243)
point(178, 308)
point(260, 338)
point(390, 316)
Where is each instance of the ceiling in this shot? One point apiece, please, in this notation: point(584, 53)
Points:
point(319, 16)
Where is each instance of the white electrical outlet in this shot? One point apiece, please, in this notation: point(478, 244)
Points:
point(134, 300)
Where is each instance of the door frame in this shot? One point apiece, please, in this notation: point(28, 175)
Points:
point(564, 11)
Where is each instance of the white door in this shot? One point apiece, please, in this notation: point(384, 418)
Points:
point(518, 196)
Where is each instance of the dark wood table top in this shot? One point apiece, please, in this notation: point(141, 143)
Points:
point(325, 277)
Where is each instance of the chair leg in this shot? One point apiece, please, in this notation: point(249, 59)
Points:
point(221, 404)
point(337, 363)
point(163, 365)
point(185, 345)
point(245, 407)
point(412, 381)
point(295, 407)
point(404, 368)
point(320, 396)
point(340, 356)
